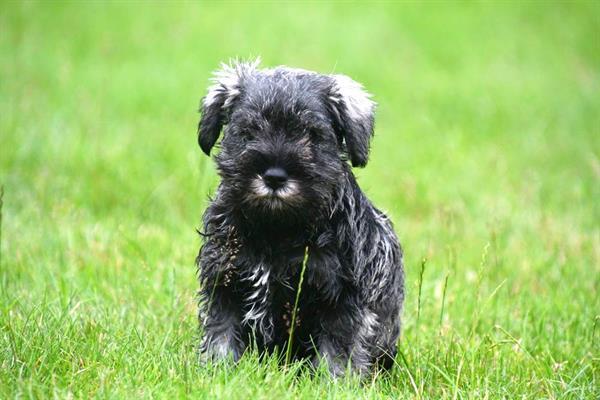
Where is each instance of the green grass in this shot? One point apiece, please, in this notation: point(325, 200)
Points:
point(486, 156)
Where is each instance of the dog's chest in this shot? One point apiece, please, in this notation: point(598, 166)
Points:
point(265, 279)
point(271, 280)
point(268, 290)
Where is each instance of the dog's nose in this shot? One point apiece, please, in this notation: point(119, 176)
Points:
point(275, 177)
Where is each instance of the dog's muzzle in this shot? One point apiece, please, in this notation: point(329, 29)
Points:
point(275, 186)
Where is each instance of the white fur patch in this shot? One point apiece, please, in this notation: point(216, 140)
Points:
point(357, 100)
point(369, 324)
point(221, 347)
point(227, 81)
point(257, 312)
point(289, 190)
point(288, 70)
point(261, 190)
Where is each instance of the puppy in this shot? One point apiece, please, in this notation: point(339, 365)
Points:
point(289, 216)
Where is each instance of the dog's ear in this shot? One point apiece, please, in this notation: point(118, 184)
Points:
point(216, 105)
point(355, 112)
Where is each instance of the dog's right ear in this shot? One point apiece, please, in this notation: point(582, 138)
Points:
point(354, 111)
point(227, 86)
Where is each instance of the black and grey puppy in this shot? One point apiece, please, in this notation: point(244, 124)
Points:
point(288, 198)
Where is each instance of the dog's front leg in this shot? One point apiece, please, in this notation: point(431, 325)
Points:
point(336, 343)
point(222, 326)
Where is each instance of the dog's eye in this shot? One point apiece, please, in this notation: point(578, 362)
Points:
point(247, 134)
point(314, 134)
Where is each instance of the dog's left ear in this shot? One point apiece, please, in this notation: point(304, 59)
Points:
point(227, 85)
point(355, 112)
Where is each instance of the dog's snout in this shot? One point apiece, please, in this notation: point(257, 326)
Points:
point(275, 177)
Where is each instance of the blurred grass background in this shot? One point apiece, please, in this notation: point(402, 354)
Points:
point(486, 156)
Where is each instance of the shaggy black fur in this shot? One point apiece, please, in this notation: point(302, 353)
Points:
point(302, 128)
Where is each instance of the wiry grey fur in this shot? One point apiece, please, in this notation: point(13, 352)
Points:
point(306, 126)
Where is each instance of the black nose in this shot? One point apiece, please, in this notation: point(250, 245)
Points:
point(275, 177)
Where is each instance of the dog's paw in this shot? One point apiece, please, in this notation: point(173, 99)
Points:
point(217, 351)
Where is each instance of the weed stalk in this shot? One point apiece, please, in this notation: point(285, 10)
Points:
point(288, 352)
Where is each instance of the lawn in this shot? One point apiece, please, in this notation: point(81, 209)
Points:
point(486, 156)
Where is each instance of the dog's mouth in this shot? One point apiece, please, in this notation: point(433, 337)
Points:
point(286, 194)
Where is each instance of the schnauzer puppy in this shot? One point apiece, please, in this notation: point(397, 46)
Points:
point(289, 216)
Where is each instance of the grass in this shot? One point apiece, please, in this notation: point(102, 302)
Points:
point(486, 156)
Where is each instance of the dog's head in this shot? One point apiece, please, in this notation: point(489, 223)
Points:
point(288, 134)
